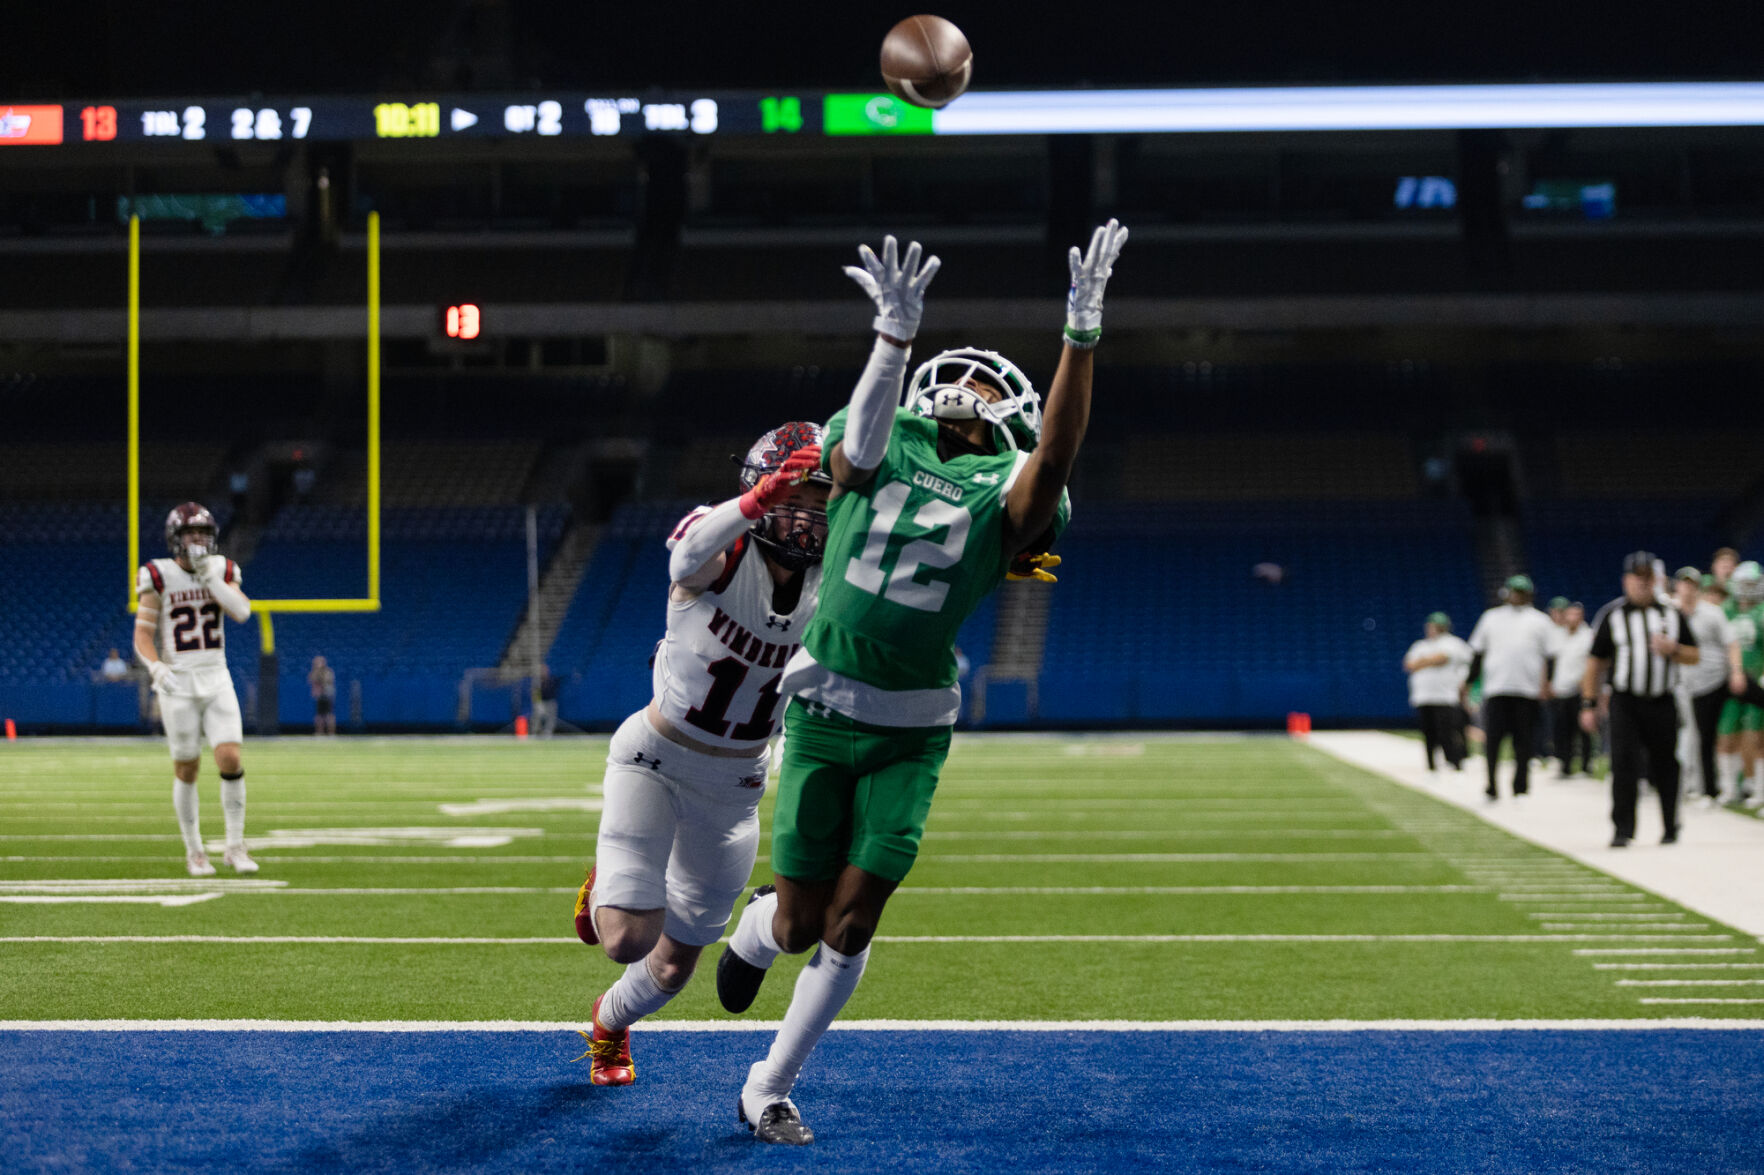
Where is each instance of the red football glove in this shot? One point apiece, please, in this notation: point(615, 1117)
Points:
point(775, 486)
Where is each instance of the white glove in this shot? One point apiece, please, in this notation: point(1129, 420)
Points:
point(159, 671)
point(1090, 273)
point(896, 285)
point(199, 561)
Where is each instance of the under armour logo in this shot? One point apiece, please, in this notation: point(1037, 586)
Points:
point(818, 709)
point(986, 479)
point(642, 761)
point(780, 623)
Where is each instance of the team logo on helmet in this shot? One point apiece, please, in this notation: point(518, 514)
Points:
point(795, 536)
point(939, 390)
point(188, 522)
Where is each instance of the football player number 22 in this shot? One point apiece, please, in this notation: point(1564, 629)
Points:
point(187, 637)
point(866, 572)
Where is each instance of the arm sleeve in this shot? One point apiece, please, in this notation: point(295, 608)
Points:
point(873, 402)
point(1687, 635)
point(231, 599)
point(147, 593)
point(703, 535)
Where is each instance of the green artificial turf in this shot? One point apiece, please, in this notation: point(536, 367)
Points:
point(1222, 819)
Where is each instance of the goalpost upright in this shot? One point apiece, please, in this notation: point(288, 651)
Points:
point(264, 609)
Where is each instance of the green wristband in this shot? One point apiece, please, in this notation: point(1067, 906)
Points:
point(1084, 340)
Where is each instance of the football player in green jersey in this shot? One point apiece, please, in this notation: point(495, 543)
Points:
point(1739, 735)
point(930, 507)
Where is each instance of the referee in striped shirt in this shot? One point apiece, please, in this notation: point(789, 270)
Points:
point(1641, 641)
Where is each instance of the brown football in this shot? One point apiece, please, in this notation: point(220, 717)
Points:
point(926, 61)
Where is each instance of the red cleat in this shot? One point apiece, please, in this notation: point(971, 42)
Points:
point(585, 912)
point(611, 1052)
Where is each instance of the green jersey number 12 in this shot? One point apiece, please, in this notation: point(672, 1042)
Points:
point(865, 572)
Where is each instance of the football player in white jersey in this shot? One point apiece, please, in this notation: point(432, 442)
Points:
point(180, 638)
point(684, 777)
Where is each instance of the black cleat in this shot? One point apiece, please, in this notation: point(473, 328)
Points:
point(738, 981)
point(779, 1123)
point(1670, 837)
point(1620, 841)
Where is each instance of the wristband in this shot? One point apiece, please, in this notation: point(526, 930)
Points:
point(1084, 340)
point(1589, 703)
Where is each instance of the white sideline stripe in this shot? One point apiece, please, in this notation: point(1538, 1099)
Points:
point(1575, 897)
point(1690, 983)
point(338, 939)
point(1698, 1000)
point(1122, 1026)
point(167, 901)
point(1672, 966)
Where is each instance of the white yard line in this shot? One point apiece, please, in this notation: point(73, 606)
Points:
point(168, 900)
point(1673, 966)
point(324, 939)
point(1717, 869)
point(1690, 983)
point(1112, 1026)
point(1667, 951)
point(1698, 1000)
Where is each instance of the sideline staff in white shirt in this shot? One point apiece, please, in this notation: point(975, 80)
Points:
point(1703, 685)
point(1437, 666)
point(1513, 643)
point(1572, 648)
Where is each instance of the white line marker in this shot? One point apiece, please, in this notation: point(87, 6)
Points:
point(138, 885)
point(530, 804)
point(1606, 917)
point(1674, 966)
point(1698, 1000)
point(1117, 1026)
point(1623, 928)
point(1690, 983)
point(323, 939)
point(167, 901)
point(1667, 951)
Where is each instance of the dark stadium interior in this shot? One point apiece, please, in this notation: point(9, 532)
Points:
point(1395, 365)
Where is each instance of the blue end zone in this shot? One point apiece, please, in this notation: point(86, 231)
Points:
point(1523, 1101)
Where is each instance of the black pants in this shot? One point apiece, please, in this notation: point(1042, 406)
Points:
point(1505, 716)
point(1706, 708)
point(1565, 718)
point(1442, 729)
point(1644, 741)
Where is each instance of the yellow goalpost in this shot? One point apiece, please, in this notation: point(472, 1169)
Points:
point(265, 609)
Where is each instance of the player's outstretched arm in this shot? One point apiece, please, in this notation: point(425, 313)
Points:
point(1033, 500)
point(700, 544)
point(896, 284)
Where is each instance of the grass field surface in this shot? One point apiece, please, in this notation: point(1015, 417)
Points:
point(1154, 878)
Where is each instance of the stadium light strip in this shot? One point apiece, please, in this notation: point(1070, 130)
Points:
point(1354, 108)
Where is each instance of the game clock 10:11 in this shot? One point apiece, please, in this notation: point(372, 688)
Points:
point(415, 120)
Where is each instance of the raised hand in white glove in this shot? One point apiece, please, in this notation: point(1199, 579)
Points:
point(1090, 273)
point(200, 562)
point(160, 672)
point(896, 284)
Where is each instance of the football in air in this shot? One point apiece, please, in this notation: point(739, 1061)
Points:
point(926, 61)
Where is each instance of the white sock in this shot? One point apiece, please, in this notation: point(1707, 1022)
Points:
point(753, 939)
point(634, 996)
point(1728, 765)
point(822, 991)
point(233, 809)
point(185, 804)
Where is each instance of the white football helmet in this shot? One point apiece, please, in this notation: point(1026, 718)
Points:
point(1747, 583)
point(936, 390)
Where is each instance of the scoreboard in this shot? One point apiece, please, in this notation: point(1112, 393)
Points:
point(409, 116)
point(611, 114)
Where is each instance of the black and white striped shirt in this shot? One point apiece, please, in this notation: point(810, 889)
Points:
point(1620, 636)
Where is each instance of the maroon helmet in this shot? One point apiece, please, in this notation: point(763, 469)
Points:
point(188, 521)
point(792, 535)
